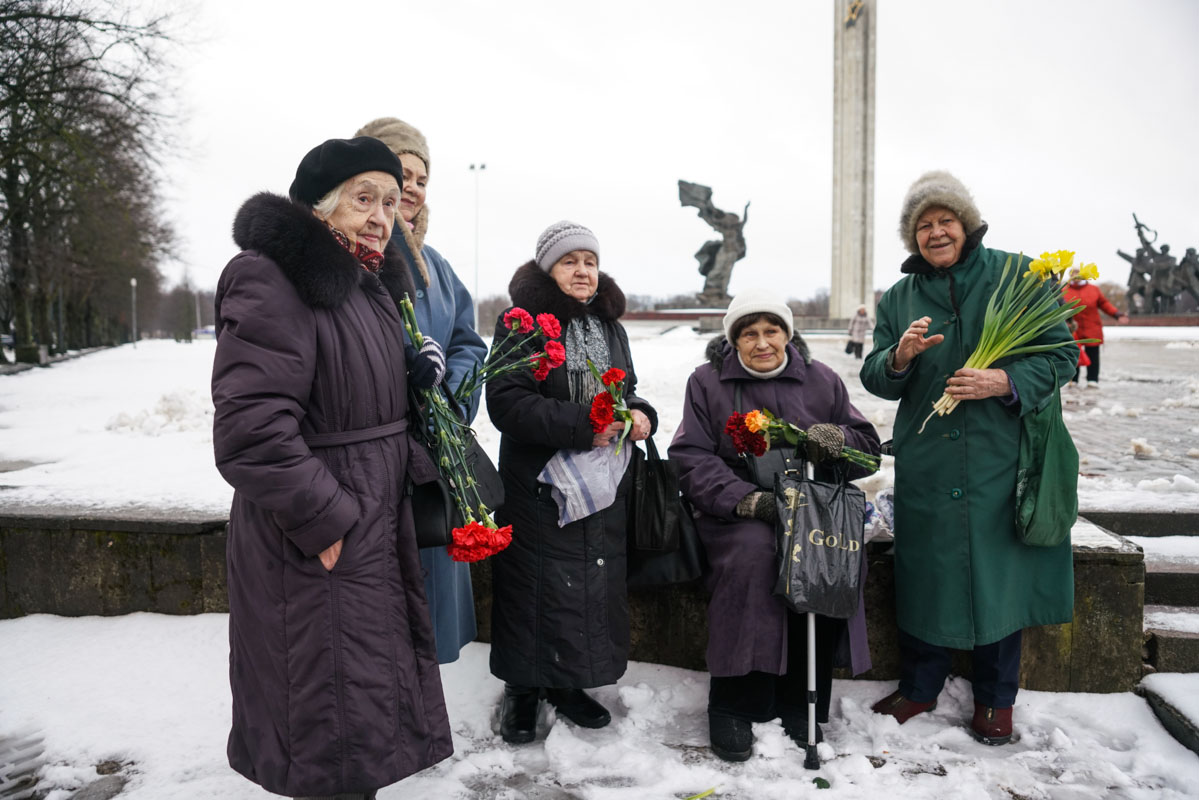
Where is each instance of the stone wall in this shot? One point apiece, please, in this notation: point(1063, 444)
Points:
point(77, 566)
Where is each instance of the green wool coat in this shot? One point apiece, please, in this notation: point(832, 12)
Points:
point(962, 578)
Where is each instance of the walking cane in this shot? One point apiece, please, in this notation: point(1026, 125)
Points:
point(811, 759)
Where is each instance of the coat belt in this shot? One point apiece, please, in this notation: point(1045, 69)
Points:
point(340, 438)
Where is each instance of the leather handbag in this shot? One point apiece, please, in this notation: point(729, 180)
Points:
point(434, 509)
point(663, 544)
point(1046, 475)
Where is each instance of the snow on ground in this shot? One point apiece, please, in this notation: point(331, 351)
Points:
point(150, 691)
point(1179, 619)
point(1169, 549)
point(130, 428)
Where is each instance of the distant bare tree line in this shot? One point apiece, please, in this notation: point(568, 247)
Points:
point(81, 122)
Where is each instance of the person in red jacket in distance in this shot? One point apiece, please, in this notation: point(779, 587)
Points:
point(1090, 324)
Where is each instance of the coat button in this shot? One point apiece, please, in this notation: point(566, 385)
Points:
point(599, 562)
point(955, 433)
point(952, 317)
point(955, 494)
point(420, 293)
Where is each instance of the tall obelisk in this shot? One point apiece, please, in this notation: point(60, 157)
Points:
point(853, 157)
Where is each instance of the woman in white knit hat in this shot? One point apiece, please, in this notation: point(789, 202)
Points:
point(962, 578)
point(756, 647)
point(560, 618)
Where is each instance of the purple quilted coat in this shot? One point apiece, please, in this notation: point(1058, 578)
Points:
point(334, 673)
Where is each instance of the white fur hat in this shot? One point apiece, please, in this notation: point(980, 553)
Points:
point(758, 301)
point(936, 189)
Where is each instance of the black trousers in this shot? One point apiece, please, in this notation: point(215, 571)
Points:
point(924, 668)
point(763, 696)
point(1093, 367)
point(857, 349)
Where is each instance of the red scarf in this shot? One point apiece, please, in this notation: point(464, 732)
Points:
point(371, 259)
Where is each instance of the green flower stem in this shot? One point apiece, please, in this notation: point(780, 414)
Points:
point(794, 435)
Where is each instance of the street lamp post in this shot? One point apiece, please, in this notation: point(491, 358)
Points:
point(477, 169)
point(133, 293)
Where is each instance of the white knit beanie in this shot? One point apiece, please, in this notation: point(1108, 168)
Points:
point(758, 301)
point(936, 189)
point(561, 238)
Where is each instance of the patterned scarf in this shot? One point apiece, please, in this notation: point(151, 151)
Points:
point(584, 339)
point(370, 259)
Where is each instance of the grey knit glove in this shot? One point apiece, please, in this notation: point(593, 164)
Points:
point(825, 441)
point(758, 505)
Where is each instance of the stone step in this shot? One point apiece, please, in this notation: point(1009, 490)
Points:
point(1146, 523)
point(1166, 693)
point(1172, 638)
point(1171, 583)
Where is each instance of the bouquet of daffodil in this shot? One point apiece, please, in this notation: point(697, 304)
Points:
point(1020, 310)
point(480, 536)
point(754, 432)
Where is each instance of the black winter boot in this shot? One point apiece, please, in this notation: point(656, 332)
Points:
point(732, 739)
point(518, 714)
point(578, 707)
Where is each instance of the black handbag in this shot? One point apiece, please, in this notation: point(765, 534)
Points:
point(434, 510)
point(820, 545)
point(663, 544)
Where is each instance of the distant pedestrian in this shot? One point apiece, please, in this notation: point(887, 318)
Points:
point(332, 665)
point(1090, 324)
point(860, 326)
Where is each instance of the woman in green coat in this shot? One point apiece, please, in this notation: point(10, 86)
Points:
point(962, 578)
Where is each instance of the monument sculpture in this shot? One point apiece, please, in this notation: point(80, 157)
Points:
point(1156, 281)
point(716, 257)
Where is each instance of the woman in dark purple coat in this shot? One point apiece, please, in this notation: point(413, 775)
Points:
point(757, 650)
point(332, 664)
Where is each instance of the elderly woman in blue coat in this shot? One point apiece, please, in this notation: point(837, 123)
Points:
point(446, 312)
point(757, 648)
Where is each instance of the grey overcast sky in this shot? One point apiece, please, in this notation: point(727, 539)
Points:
point(1062, 116)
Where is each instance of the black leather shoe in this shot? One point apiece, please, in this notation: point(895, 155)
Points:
point(732, 739)
point(578, 707)
point(518, 714)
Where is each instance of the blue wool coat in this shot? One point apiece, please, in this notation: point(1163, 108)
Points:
point(446, 312)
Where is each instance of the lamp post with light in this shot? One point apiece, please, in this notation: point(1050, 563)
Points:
point(477, 169)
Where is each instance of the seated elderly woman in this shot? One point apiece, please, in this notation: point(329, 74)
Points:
point(757, 648)
point(560, 617)
point(332, 665)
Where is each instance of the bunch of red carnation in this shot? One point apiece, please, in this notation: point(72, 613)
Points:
point(608, 406)
point(476, 541)
point(745, 440)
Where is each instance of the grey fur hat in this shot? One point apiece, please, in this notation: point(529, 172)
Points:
point(399, 136)
point(561, 238)
point(937, 189)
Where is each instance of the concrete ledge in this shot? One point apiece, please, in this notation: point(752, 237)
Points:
point(1173, 651)
point(1171, 584)
point(77, 565)
point(1173, 720)
point(1148, 523)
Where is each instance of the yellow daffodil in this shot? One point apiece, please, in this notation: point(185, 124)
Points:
point(756, 421)
point(1089, 272)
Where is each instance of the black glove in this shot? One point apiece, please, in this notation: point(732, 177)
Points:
point(426, 367)
point(758, 505)
point(825, 441)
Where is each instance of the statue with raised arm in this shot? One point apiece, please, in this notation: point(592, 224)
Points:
point(716, 257)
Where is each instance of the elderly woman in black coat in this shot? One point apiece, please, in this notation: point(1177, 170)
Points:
point(332, 664)
point(560, 620)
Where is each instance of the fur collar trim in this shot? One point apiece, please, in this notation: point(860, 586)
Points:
point(415, 240)
point(535, 291)
point(322, 271)
point(916, 265)
point(719, 349)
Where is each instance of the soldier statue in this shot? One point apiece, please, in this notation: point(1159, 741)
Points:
point(716, 257)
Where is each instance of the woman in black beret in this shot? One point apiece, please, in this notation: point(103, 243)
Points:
point(333, 669)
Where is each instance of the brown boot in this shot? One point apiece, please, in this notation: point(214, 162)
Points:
point(991, 725)
point(898, 706)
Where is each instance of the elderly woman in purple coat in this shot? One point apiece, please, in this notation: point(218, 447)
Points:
point(757, 649)
point(332, 663)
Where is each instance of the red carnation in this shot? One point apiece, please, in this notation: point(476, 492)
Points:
point(556, 354)
point(612, 376)
point(602, 411)
point(744, 440)
point(541, 368)
point(518, 320)
point(549, 325)
point(476, 541)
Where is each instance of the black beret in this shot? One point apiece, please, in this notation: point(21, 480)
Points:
point(330, 163)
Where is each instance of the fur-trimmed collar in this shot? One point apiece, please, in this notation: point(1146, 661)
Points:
point(535, 291)
point(915, 264)
point(414, 239)
point(323, 272)
point(719, 349)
